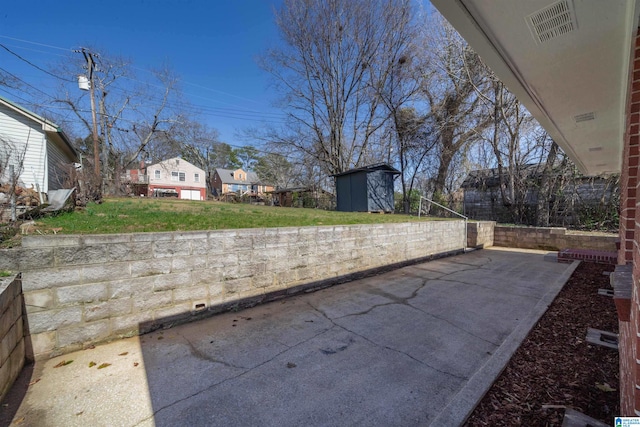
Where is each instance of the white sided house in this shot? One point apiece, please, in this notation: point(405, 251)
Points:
point(177, 178)
point(40, 153)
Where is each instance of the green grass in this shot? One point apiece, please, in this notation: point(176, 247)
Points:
point(145, 215)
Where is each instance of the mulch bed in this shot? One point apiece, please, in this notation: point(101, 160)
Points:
point(555, 368)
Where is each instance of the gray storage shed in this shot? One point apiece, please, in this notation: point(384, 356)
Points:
point(366, 189)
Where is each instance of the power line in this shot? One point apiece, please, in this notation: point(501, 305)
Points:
point(229, 113)
point(36, 43)
point(36, 50)
point(257, 150)
point(134, 67)
point(222, 92)
point(24, 82)
point(32, 64)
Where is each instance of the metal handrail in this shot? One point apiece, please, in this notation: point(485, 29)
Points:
point(449, 210)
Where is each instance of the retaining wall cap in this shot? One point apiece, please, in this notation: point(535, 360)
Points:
point(50, 241)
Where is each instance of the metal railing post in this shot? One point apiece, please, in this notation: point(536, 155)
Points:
point(464, 247)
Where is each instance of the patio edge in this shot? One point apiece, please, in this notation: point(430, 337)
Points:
point(462, 405)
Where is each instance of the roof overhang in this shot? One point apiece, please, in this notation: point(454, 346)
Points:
point(575, 83)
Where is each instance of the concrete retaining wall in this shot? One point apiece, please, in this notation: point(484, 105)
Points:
point(12, 347)
point(80, 290)
point(480, 234)
point(551, 238)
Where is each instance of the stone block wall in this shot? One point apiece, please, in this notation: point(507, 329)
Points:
point(12, 347)
point(480, 234)
point(80, 290)
point(551, 239)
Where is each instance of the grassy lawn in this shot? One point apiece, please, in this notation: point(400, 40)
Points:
point(144, 215)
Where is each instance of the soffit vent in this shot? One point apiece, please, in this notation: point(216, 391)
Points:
point(553, 21)
point(586, 117)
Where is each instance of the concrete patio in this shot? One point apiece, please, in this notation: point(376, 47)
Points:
point(415, 346)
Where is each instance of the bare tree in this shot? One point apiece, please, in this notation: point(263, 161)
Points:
point(155, 113)
point(274, 169)
point(413, 145)
point(335, 57)
point(410, 135)
point(201, 146)
point(133, 115)
point(514, 149)
point(12, 155)
point(454, 78)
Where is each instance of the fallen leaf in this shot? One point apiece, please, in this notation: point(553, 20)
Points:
point(135, 364)
point(160, 338)
point(604, 387)
point(104, 365)
point(124, 354)
point(63, 363)
point(34, 381)
point(92, 364)
point(291, 365)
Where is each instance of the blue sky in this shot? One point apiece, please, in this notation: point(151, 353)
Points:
point(211, 44)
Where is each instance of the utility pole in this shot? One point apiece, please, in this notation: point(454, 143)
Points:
point(91, 65)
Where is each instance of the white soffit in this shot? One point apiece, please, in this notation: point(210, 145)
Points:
point(567, 61)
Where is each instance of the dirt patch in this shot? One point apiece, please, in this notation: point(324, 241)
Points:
point(555, 368)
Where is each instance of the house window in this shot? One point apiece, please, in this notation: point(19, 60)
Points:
point(156, 174)
point(196, 177)
point(183, 176)
point(174, 176)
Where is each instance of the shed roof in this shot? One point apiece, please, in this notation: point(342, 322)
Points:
point(375, 167)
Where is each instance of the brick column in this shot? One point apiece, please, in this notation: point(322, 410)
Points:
point(629, 249)
point(629, 175)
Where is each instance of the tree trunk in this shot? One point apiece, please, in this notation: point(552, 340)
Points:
point(544, 193)
point(446, 157)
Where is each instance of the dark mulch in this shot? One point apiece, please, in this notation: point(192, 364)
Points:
point(555, 368)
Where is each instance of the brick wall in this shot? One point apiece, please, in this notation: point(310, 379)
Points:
point(12, 347)
point(551, 239)
point(80, 290)
point(629, 173)
point(629, 251)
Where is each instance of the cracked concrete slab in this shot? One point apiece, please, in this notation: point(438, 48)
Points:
point(415, 346)
point(468, 312)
